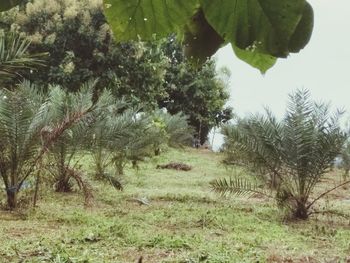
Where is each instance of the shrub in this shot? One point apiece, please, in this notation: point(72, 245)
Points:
point(291, 155)
point(29, 127)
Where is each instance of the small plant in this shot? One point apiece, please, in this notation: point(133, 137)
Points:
point(117, 137)
point(291, 155)
point(172, 130)
point(63, 154)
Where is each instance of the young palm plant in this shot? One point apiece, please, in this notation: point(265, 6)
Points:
point(22, 115)
point(134, 143)
point(64, 152)
point(30, 126)
point(108, 125)
point(170, 130)
point(292, 155)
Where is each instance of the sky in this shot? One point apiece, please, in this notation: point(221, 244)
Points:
point(322, 67)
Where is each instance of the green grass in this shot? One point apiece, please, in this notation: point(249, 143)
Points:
point(185, 222)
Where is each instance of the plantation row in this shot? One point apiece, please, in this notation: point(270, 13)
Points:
point(42, 133)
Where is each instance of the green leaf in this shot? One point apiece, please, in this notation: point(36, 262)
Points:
point(266, 26)
point(259, 29)
point(257, 60)
point(201, 41)
point(131, 19)
point(8, 4)
point(299, 39)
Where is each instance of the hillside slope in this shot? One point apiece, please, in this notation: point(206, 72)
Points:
point(184, 222)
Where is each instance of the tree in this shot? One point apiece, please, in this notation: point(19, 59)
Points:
point(294, 153)
point(199, 92)
point(82, 47)
point(140, 74)
point(258, 30)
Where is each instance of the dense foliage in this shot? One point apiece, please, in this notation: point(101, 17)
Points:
point(199, 92)
point(259, 31)
point(81, 47)
point(157, 73)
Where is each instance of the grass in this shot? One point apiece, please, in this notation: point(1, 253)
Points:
point(185, 222)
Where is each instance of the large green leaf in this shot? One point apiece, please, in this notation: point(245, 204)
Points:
point(265, 26)
point(8, 4)
point(257, 60)
point(131, 19)
point(259, 30)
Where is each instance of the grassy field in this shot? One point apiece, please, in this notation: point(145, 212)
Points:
point(185, 222)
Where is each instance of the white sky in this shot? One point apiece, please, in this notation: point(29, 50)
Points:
point(323, 67)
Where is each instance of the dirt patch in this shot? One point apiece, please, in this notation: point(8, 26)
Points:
point(306, 259)
point(148, 255)
point(175, 166)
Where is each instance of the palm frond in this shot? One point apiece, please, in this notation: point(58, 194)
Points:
point(14, 56)
point(236, 187)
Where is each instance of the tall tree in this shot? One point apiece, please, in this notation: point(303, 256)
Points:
point(199, 92)
point(81, 47)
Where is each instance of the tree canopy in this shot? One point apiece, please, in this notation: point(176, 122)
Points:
point(199, 92)
point(81, 47)
point(260, 31)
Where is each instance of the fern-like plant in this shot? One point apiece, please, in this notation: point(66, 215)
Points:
point(291, 155)
point(63, 153)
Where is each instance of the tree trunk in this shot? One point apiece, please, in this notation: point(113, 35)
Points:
point(301, 211)
point(135, 165)
point(36, 191)
point(63, 185)
point(99, 170)
point(157, 152)
point(11, 199)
